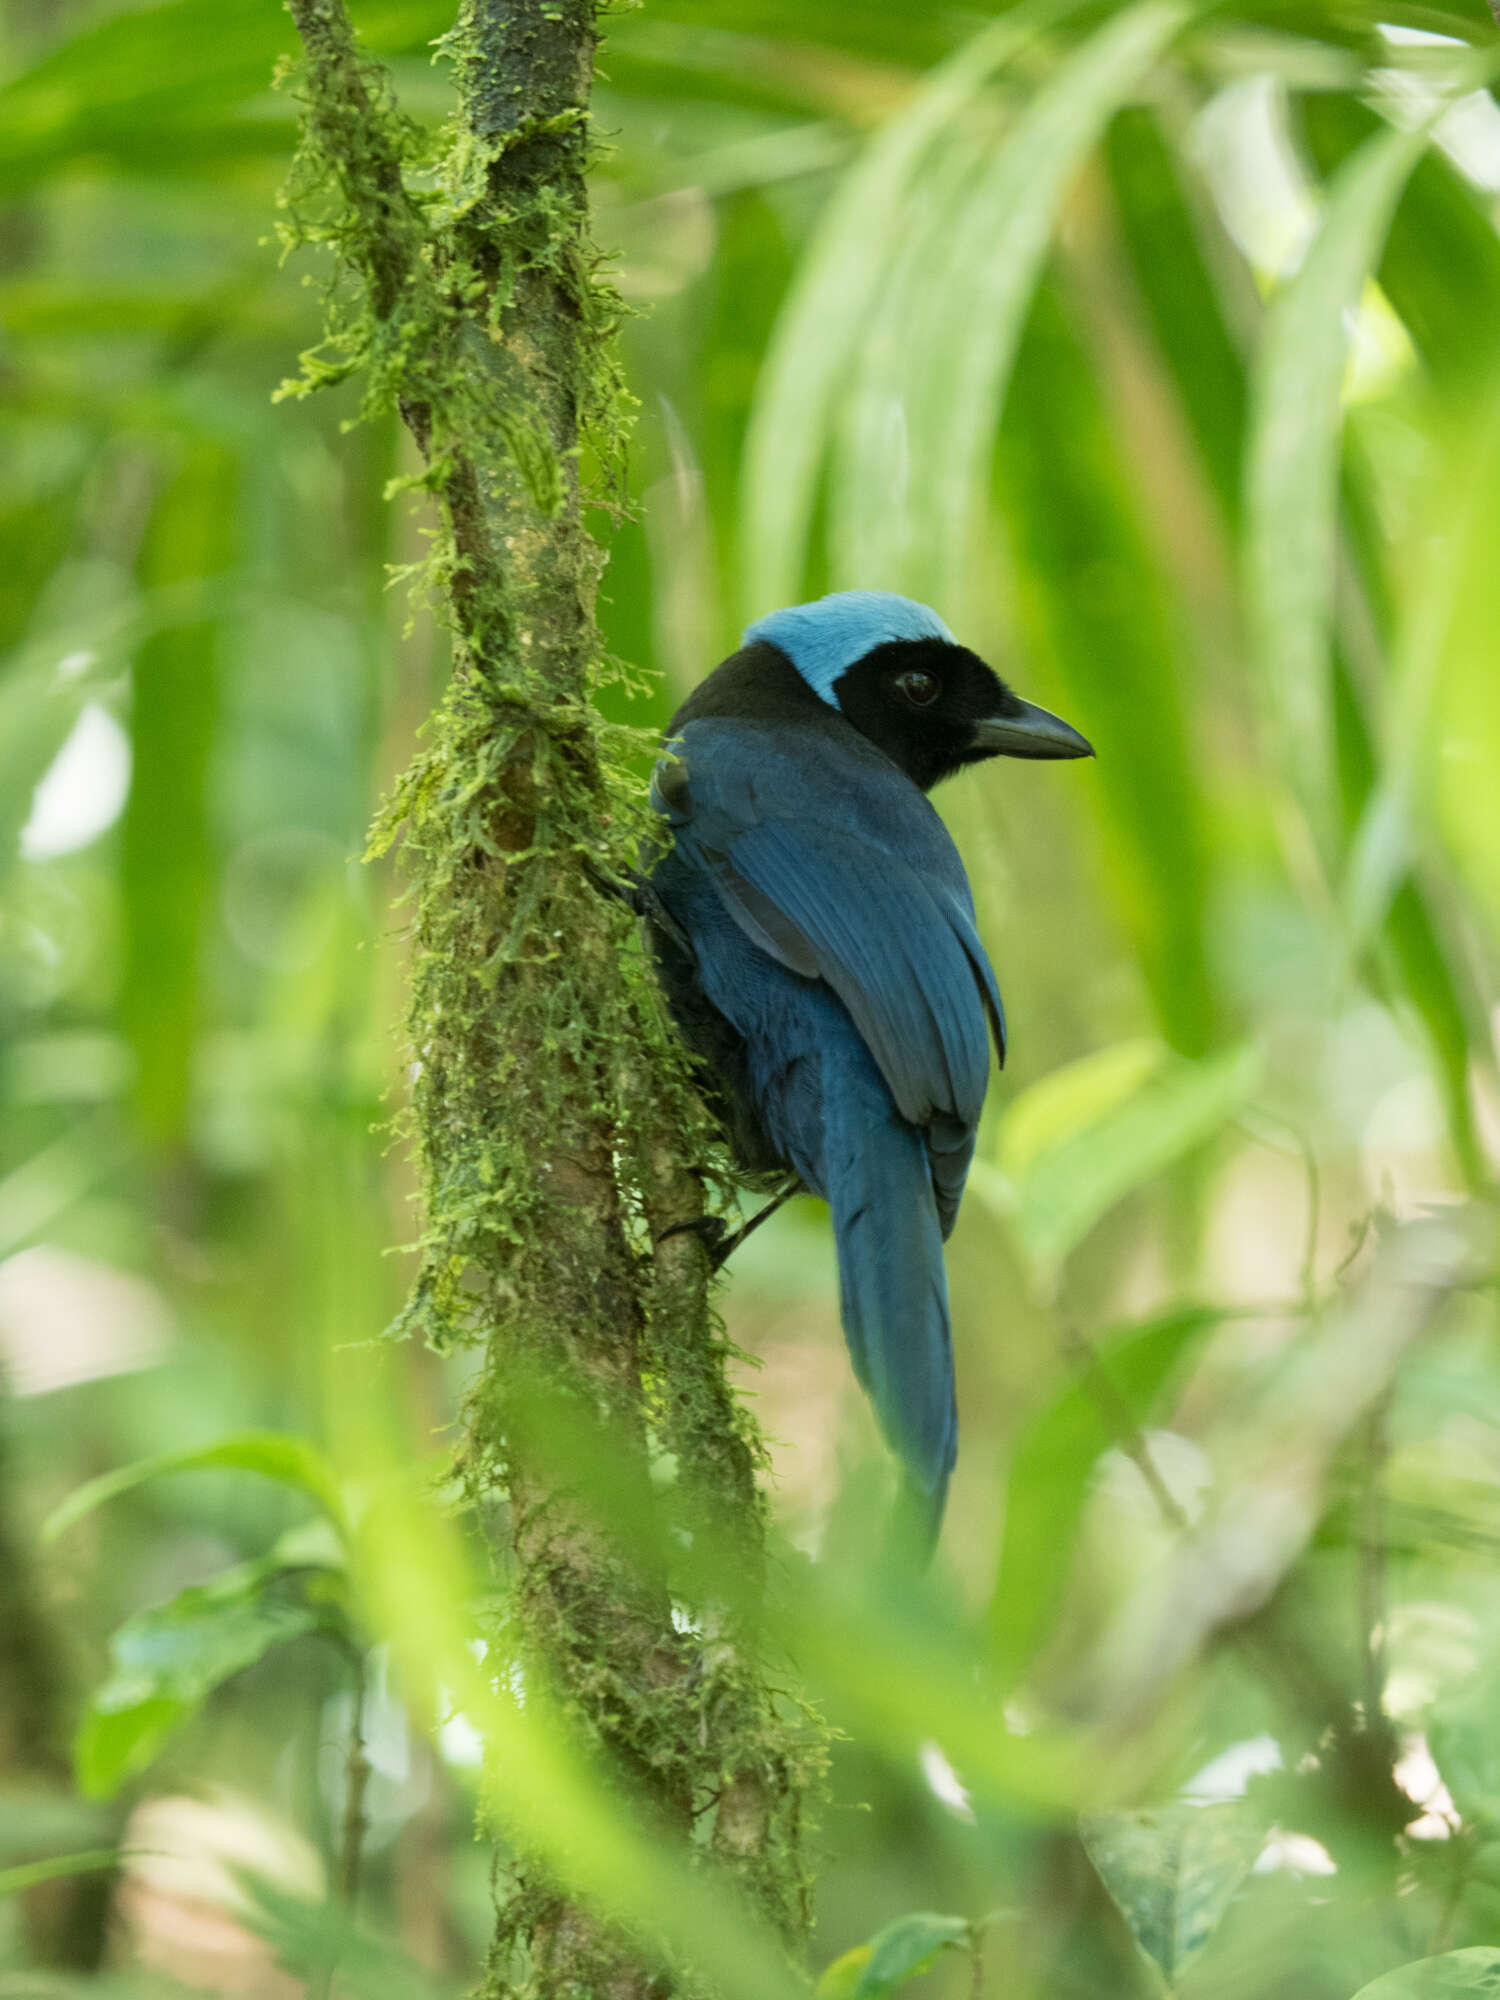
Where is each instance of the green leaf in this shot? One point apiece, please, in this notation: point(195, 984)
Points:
point(1292, 472)
point(1167, 262)
point(15, 1881)
point(166, 852)
point(1071, 1097)
point(1066, 1189)
point(310, 1939)
point(841, 1978)
point(982, 271)
point(1441, 264)
point(290, 1461)
point(825, 314)
point(1095, 613)
point(1172, 1872)
point(168, 1660)
point(893, 1956)
point(1475, 1970)
point(1052, 1463)
point(1466, 1750)
point(114, 1744)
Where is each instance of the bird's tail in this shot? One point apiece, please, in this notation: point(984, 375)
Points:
point(893, 1293)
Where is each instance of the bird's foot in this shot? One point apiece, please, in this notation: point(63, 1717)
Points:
point(719, 1240)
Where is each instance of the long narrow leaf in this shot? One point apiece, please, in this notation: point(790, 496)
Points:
point(990, 260)
point(823, 318)
point(1292, 477)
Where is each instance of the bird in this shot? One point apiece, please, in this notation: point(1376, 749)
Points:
point(814, 934)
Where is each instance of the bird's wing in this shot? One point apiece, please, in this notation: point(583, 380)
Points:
point(832, 861)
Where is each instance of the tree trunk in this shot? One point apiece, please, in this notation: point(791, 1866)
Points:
point(553, 1114)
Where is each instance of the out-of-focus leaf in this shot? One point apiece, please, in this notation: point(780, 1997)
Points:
point(840, 1980)
point(1272, 1459)
point(33, 1822)
point(15, 1881)
point(166, 858)
point(1474, 1970)
point(985, 265)
point(824, 316)
point(290, 1461)
point(1050, 1111)
point(900, 1952)
point(1052, 1462)
point(1172, 1872)
point(311, 1939)
point(1441, 265)
point(1092, 606)
point(168, 1660)
point(1292, 471)
point(1466, 1750)
point(1431, 975)
point(1166, 260)
point(1065, 1190)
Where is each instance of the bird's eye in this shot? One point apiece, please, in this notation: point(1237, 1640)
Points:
point(920, 689)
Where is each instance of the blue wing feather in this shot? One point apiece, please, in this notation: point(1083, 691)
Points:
point(843, 871)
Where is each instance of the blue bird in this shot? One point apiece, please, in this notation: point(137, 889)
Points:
point(814, 933)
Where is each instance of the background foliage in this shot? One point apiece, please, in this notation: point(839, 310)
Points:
point(1157, 345)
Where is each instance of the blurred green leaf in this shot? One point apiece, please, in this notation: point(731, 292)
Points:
point(1465, 1747)
point(312, 1939)
point(991, 254)
point(1076, 1094)
point(900, 1952)
point(1094, 611)
point(1292, 469)
point(33, 1822)
point(1474, 1970)
point(16, 1881)
point(1052, 1463)
point(824, 317)
point(168, 1660)
point(290, 1461)
point(166, 850)
point(1440, 268)
point(1066, 1189)
point(1162, 237)
point(1172, 1872)
point(841, 1977)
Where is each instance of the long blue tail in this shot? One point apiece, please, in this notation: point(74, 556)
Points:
point(893, 1287)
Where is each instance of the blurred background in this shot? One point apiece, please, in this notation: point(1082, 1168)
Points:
point(1157, 346)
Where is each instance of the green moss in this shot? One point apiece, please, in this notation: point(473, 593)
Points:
point(553, 1112)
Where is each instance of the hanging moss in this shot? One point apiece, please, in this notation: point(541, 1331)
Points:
point(553, 1113)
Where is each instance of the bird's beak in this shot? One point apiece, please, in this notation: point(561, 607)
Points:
point(1030, 732)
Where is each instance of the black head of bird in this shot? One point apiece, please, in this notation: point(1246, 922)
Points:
point(893, 670)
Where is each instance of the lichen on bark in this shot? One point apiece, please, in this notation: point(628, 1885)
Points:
point(553, 1113)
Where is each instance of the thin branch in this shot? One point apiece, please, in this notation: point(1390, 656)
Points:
point(356, 1780)
point(1128, 1433)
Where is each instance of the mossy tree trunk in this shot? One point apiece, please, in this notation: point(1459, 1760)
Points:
point(557, 1129)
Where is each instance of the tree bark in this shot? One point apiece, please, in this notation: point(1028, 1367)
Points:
point(553, 1113)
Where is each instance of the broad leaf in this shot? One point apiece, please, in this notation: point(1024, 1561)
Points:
point(1476, 1970)
point(169, 1659)
point(1172, 1872)
point(900, 1952)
